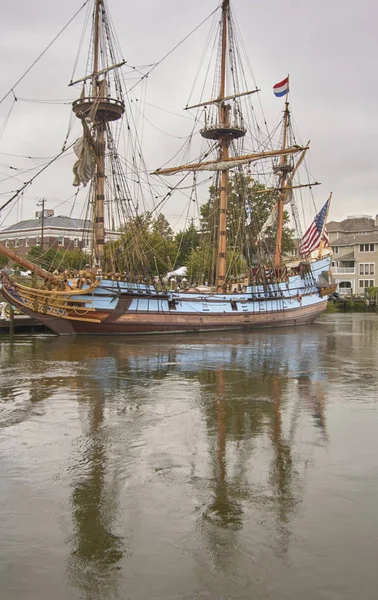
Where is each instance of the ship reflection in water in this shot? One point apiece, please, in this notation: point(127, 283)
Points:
point(171, 467)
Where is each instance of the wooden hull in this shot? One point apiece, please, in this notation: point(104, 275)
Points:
point(121, 308)
point(131, 323)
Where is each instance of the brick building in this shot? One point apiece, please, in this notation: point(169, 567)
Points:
point(60, 232)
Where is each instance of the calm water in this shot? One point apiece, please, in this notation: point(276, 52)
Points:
point(231, 466)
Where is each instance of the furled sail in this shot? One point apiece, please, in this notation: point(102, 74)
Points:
point(84, 167)
point(229, 163)
point(272, 219)
point(222, 165)
point(288, 196)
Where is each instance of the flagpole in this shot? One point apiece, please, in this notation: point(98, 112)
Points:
point(321, 246)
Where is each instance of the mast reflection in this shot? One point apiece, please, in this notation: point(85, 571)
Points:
point(256, 402)
point(96, 549)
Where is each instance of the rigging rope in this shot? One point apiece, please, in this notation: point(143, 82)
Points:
point(34, 177)
point(173, 49)
point(11, 91)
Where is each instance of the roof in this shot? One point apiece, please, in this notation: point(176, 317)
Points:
point(352, 225)
point(60, 221)
point(351, 240)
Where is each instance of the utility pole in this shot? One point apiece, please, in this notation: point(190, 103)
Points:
point(42, 204)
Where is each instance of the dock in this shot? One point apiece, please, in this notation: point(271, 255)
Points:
point(22, 324)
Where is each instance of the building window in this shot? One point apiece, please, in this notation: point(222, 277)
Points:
point(366, 247)
point(365, 283)
point(38, 241)
point(7, 243)
point(367, 269)
point(336, 250)
point(16, 243)
point(76, 242)
point(27, 241)
point(61, 241)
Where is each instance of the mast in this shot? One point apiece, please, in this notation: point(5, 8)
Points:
point(284, 170)
point(224, 112)
point(99, 108)
point(99, 222)
point(223, 132)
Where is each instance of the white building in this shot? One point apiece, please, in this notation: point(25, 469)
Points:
point(354, 243)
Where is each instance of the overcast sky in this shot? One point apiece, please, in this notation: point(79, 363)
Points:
point(329, 47)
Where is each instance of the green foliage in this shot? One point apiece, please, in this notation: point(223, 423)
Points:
point(187, 242)
point(161, 227)
point(3, 261)
point(147, 247)
point(57, 259)
point(242, 189)
point(241, 236)
point(371, 292)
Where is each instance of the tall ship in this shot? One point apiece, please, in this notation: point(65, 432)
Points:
point(241, 272)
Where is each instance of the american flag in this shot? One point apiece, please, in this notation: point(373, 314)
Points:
point(316, 232)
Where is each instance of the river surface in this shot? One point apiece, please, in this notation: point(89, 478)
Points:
point(223, 466)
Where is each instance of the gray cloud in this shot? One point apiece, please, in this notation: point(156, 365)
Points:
point(330, 49)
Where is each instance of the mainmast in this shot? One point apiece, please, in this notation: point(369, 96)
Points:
point(98, 108)
point(229, 126)
point(224, 133)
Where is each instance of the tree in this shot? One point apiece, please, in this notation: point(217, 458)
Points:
point(3, 261)
point(147, 247)
point(244, 191)
point(160, 226)
point(187, 241)
point(57, 259)
point(243, 246)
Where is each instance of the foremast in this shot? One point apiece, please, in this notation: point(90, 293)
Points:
point(99, 199)
point(224, 112)
point(98, 108)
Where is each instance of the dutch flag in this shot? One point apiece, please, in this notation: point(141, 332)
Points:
point(281, 88)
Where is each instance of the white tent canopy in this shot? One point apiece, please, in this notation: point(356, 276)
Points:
point(180, 272)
